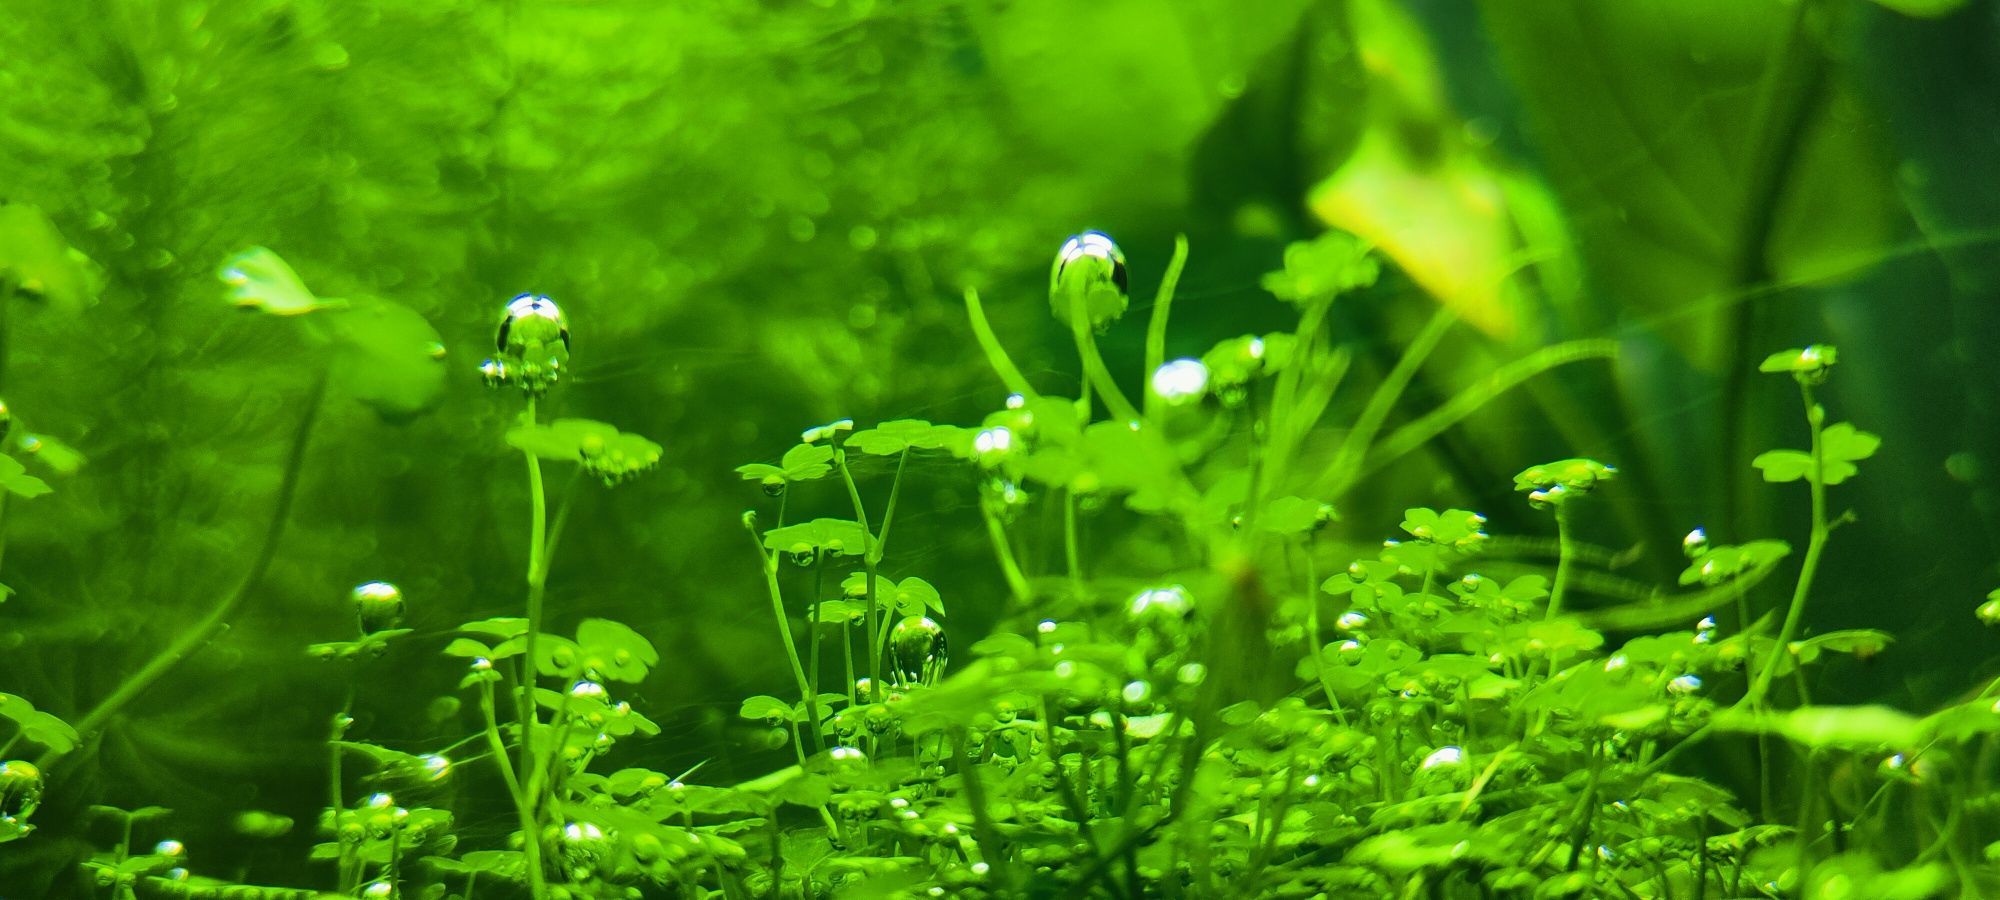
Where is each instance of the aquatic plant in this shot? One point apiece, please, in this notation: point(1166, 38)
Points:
point(1430, 719)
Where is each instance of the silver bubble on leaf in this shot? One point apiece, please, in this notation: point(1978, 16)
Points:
point(917, 651)
point(378, 605)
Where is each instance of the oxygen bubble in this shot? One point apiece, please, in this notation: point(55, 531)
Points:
point(1685, 684)
point(992, 444)
point(170, 848)
point(917, 652)
point(533, 343)
point(1350, 621)
point(379, 890)
point(1180, 381)
point(435, 766)
point(1016, 401)
point(1444, 756)
point(847, 758)
point(589, 690)
point(1168, 606)
point(773, 485)
point(1086, 262)
point(864, 687)
point(1472, 581)
point(378, 605)
point(803, 555)
point(21, 787)
point(1136, 692)
point(1695, 542)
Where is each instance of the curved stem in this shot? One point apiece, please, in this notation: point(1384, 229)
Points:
point(1003, 551)
point(1565, 560)
point(531, 844)
point(538, 521)
point(1156, 325)
point(770, 564)
point(1094, 371)
point(869, 555)
point(1815, 544)
point(996, 355)
point(201, 631)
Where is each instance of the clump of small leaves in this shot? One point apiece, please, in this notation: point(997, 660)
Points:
point(1262, 713)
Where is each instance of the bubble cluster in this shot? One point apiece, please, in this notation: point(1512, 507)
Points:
point(531, 345)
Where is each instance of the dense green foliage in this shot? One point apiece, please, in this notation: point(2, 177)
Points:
point(400, 493)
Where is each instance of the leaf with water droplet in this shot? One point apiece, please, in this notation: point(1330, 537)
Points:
point(828, 535)
point(601, 449)
point(912, 596)
point(614, 651)
point(260, 279)
point(367, 647)
point(1290, 515)
point(1801, 360)
point(389, 357)
point(1721, 562)
point(804, 462)
point(897, 435)
point(763, 708)
point(558, 657)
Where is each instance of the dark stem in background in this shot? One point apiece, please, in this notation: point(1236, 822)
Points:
point(199, 633)
point(1789, 92)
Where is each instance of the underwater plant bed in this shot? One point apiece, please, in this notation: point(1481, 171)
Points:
point(1249, 710)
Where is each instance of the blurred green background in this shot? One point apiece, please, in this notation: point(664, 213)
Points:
point(760, 215)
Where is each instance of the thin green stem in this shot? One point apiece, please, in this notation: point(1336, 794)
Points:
point(1003, 551)
point(206, 628)
point(868, 558)
point(1072, 547)
point(1313, 638)
point(889, 512)
point(996, 355)
point(770, 563)
point(1156, 325)
point(1094, 371)
point(1347, 461)
point(1815, 545)
point(985, 832)
point(1565, 561)
point(538, 522)
point(531, 844)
